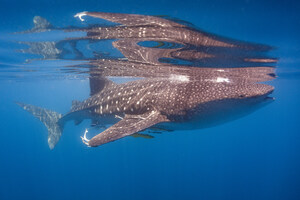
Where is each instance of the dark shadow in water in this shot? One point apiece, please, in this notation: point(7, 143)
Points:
point(187, 79)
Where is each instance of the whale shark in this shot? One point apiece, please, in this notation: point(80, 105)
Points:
point(141, 104)
point(225, 86)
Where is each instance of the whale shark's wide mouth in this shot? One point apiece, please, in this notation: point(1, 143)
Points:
point(266, 96)
point(269, 98)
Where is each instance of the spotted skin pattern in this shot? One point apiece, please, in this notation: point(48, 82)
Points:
point(144, 103)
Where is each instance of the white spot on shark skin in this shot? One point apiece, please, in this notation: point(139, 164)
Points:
point(80, 15)
point(181, 78)
point(222, 80)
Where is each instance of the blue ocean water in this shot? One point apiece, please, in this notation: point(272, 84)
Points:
point(254, 157)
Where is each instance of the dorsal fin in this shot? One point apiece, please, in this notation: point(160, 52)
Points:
point(98, 83)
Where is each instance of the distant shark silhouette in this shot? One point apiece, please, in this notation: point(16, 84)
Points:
point(169, 96)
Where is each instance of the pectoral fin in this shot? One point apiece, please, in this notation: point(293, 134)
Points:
point(131, 19)
point(129, 125)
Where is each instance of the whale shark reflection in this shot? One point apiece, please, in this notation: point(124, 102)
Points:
point(191, 80)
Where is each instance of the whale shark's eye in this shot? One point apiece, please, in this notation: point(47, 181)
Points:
point(242, 96)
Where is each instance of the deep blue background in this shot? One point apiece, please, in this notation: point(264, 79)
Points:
point(255, 157)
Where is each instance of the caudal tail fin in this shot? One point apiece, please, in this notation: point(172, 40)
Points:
point(49, 119)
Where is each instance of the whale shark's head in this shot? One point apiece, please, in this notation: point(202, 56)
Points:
point(231, 102)
point(252, 93)
point(244, 99)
